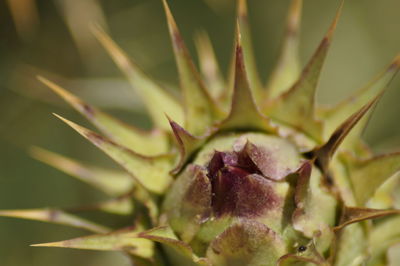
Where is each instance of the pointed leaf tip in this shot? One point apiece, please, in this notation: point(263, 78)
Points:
point(333, 26)
point(97, 139)
point(200, 110)
point(148, 143)
point(324, 154)
point(85, 109)
point(187, 144)
point(298, 103)
point(123, 240)
point(244, 112)
point(54, 216)
point(356, 214)
point(335, 114)
point(168, 13)
point(249, 56)
point(151, 172)
point(155, 97)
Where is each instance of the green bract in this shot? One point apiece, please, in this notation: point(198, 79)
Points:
point(240, 173)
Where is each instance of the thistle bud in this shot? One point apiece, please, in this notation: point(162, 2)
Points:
point(242, 184)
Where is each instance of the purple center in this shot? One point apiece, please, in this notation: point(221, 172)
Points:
point(238, 187)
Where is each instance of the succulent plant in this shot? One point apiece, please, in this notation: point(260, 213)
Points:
point(239, 173)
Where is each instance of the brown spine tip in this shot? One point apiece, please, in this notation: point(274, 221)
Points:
point(332, 28)
point(70, 98)
point(187, 144)
point(181, 135)
point(97, 139)
point(176, 37)
point(240, 71)
point(324, 153)
point(170, 18)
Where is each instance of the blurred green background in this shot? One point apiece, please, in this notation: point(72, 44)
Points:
point(52, 38)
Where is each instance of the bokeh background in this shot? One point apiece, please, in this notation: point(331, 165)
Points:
point(52, 38)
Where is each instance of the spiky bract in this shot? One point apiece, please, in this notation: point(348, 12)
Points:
point(241, 173)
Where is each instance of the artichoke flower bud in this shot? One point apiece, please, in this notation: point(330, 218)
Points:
point(264, 175)
point(241, 184)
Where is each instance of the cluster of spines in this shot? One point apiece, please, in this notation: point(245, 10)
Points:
point(275, 108)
